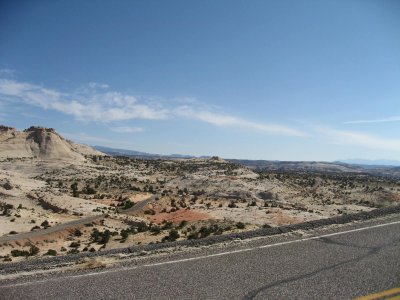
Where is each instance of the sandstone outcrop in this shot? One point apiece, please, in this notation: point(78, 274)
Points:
point(40, 142)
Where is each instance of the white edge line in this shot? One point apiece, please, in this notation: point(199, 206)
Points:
point(328, 235)
point(204, 256)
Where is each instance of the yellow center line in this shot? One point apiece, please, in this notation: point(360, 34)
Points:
point(383, 295)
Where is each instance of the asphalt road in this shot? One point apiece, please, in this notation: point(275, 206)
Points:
point(340, 265)
point(139, 206)
point(49, 230)
point(60, 227)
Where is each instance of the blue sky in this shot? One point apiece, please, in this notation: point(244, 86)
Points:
point(287, 80)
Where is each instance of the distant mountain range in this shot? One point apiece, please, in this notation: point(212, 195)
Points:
point(46, 143)
point(371, 162)
point(134, 153)
point(359, 166)
point(319, 167)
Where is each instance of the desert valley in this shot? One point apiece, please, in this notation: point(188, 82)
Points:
point(60, 198)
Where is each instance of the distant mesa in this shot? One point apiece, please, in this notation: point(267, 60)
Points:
point(216, 158)
point(40, 142)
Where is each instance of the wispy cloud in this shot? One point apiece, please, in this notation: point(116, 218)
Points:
point(96, 102)
point(84, 138)
point(223, 120)
point(93, 105)
point(344, 137)
point(95, 85)
point(127, 129)
point(383, 120)
point(6, 72)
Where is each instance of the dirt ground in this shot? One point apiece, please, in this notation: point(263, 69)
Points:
point(193, 198)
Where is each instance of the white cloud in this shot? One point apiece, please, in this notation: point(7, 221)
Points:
point(82, 104)
point(95, 102)
point(343, 137)
point(223, 120)
point(383, 120)
point(95, 85)
point(127, 129)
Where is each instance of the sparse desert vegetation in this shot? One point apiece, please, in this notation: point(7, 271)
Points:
point(52, 206)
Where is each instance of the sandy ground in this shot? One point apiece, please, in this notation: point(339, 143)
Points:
point(201, 192)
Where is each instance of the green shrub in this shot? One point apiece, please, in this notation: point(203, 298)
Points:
point(45, 224)
point(74, 245)
point(51, 252)
point(232, 205)
point(128, 204)
point(167, 225)
point(124, 233)
point(173, 236)
point(33, 250)
point(73, 251)
point(101, 237)
point(16, 253)
point(155, 230)
point(240, 225)
point(182, 224)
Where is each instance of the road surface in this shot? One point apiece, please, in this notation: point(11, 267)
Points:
point(49, 230)
point(139, 206)
point(344, 264)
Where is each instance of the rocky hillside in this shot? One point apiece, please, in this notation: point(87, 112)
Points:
point(40, 142)
point(299, 166)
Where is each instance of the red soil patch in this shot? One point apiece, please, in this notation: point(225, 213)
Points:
point(178, 216)
point(394, 197)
